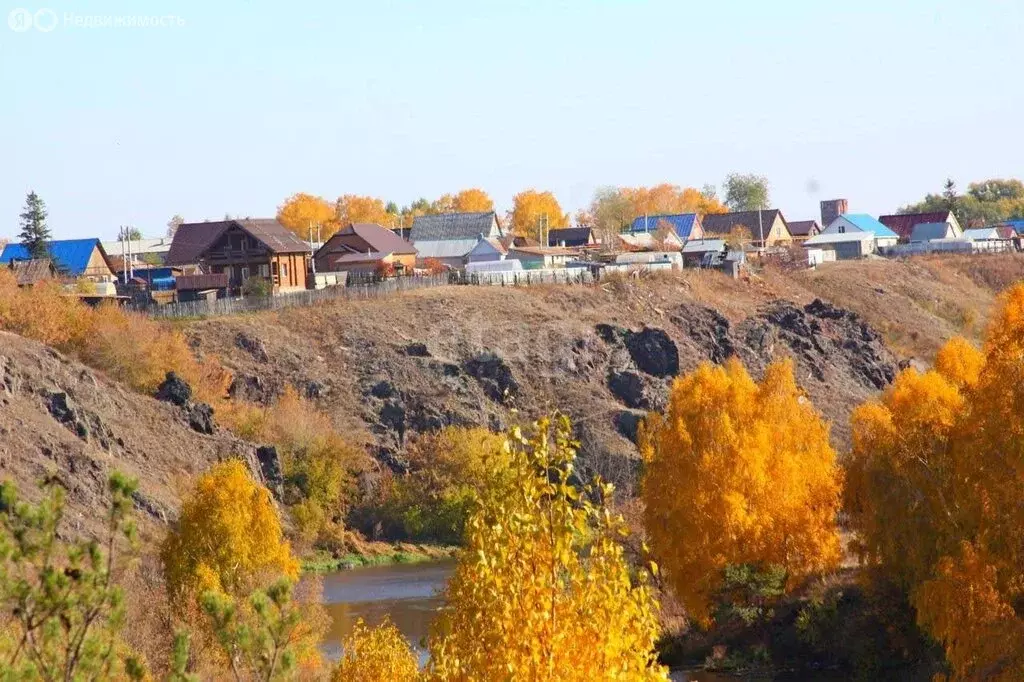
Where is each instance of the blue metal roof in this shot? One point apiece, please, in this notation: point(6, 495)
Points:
point(71, 256)
point(869, 224)
point(682, 223)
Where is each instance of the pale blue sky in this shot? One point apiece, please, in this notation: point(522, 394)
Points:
point(249, 102)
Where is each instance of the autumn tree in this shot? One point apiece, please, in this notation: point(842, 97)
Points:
point(746, 192)
point(473, 200)
point(738, 473)
point(300, 211)
point(35, 235)
point(611, 212)
point(667, 199)
point(352, 208)
point(228, 537)
point(173, 224)
point(542, 590)
point(936, 497)
point(533, 212)
point(380, 654)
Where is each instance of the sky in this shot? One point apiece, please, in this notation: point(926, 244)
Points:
point(229, 107)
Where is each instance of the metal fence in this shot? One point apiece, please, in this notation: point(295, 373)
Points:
point(366, 288)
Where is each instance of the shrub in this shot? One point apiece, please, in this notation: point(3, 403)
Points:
point(434, 267)
point(379, 654)
point(449, 469)
point(257, 287)
point(228, 537)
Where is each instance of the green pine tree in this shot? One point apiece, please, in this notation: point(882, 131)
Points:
point(34, 232)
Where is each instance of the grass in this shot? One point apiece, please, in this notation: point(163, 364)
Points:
point(322, 562)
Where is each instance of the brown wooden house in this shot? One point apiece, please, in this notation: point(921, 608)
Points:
point(365, 248)
point(243, 249)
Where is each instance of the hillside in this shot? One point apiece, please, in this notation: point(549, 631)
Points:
point(387, 369)
point(61, 419)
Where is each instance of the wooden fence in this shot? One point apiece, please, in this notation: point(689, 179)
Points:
point(366, 289)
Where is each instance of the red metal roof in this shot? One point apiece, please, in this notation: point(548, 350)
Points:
point(903, 223)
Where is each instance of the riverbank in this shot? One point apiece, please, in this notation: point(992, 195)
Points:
point(377, 554)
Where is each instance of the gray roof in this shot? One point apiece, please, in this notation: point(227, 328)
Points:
point(454, 226)
point(926, 232)
point(445, 248)
point(159, 245)
point(704, 245)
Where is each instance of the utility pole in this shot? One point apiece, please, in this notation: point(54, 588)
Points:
point(312, 253)
point(760, 228)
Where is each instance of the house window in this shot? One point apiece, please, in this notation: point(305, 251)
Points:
point(284, 271)
point(842, 229)
point(264, 270)
point(245, 272)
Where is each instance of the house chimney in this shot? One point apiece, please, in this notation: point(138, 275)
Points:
point(832, 209)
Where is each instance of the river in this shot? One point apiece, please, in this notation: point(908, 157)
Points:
point(409, 594)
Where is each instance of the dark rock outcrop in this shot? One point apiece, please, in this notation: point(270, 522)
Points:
point(383, 389)
point(653, 352)
point(315, 390)
point(174, 390)
point(270, 467)
point(417, 349)
point(629, 387)
point(200, 418)
point(707, 328)
point(253, 346)
point(627, 423)
point(494, 376)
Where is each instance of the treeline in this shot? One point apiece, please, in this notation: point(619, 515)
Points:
point(987, 202)
point(611, 209)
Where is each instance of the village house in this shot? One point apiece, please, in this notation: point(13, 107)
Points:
point(685, 225)
point(540, 257)
point(851, 236)
point(73, 258)
point(149, 251)
point(662, 239)
point(903, 223)
point(704, 252)
point(201, 286)
point(765, 228)
point(802, 230)
point(365, 248)
point(487, 250)
point(243, 249)
point(928, 232)
point(572, 237)
point(449, 237)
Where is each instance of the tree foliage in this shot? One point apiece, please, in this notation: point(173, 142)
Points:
point(265, 638)
point(738, 473)
point(936, 495)
point(746, 192)
point(379, 654)
point(542, 590)
point(35, 234)
point(228, 538)
point(449, 470)
point(300, 211)
point(62, 601)
point(985, 203)
point(352, 208)
point(173, 224)
point(533, 211)
point(473, 200)
point(614, 208)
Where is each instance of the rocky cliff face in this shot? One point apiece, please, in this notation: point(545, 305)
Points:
point(389, 371)
point(63, 422)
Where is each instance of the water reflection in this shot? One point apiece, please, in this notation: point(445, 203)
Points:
point(408, 593)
